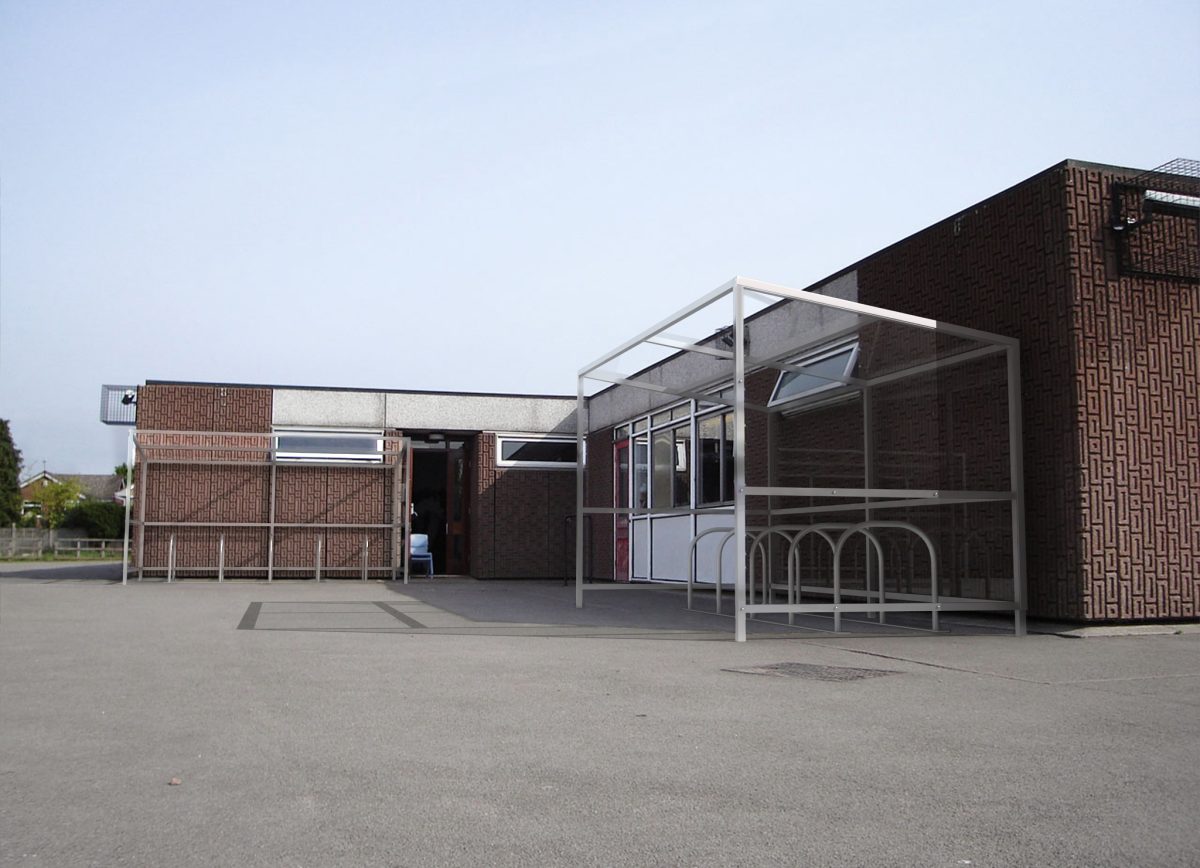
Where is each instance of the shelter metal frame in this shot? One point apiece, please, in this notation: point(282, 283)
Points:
point(149, 449)
point(872, 498)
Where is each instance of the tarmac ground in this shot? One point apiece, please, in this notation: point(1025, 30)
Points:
point(492, 723)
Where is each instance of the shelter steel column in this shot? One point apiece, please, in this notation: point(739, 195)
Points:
point(141, 556)
point(130, 452)
point(271, 517)
point(1016, 470)
point(580, 477)
point(739, 462)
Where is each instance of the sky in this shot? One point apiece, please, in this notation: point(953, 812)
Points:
point(488, 196)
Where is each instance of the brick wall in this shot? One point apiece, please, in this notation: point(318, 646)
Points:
point(1110, 400)
point(599, 493)
point(1109, 392)
point(1137, 340)
point(204, 408)
point(1003, 266)
point(198, 491)
point(519, 519)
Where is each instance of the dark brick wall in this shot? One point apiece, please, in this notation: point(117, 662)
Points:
point(1109, 391)
point(1003, 266)
point(599, 493)
point(519, 519)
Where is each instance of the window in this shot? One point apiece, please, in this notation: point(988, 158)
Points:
point(341, 446)
point(641, 472)
point(540, 452)
point(818, 368)
point(714, 483)
point(672, 471)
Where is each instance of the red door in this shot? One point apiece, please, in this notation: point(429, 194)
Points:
point(621, 499)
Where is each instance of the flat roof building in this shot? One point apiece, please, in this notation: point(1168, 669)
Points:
point(1093, 271)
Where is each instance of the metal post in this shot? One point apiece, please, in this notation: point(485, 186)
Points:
point(739, 462)
point(396, 507)
point(366, 552)
point(580, 479)
point(1016, 470)
point(769, 554)
point(317, 567)
point(221, 559)
point(171, 560)
point(144, 487)
point(271, 517)
point(869, 482)
point(406, 508)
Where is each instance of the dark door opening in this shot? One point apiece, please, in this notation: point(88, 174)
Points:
point(441, 496)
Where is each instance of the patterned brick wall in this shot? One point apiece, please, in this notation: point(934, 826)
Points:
point(203, 492)
point(332, 495)
point(204, 408)
point(1138, 344)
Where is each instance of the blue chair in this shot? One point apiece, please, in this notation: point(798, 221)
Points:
point(419, 552)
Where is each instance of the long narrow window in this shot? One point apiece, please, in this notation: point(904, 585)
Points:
point(328, 445)
point(641, 472)
point(551, 453)
point(819, 373)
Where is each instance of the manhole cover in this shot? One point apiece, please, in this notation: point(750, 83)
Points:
point(813, 672)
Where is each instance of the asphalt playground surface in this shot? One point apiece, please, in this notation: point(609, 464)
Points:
point(491, 723)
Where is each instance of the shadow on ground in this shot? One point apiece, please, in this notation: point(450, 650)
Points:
point(659, 609)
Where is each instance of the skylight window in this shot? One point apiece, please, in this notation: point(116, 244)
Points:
point(821, 372)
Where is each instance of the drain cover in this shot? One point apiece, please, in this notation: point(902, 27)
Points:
point(813, 672)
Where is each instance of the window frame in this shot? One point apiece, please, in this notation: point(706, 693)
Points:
point(517, 463)
point(296, 457)
point(724, 418)
point(668, 476)
point(812, 358)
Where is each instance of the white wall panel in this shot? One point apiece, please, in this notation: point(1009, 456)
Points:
point(706, 549)
point(641, 548)
point(672, 537)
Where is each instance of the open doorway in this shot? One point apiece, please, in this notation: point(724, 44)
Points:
point(441, 498)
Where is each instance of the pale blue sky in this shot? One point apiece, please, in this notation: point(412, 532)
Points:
point(486, 196)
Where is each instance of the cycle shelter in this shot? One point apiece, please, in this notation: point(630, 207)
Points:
point(788, 454)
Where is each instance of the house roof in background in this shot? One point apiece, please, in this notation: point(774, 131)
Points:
point(99, 486)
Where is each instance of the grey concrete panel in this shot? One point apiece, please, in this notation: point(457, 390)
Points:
point(324, 408)
point(408, 411)
point(515, 413)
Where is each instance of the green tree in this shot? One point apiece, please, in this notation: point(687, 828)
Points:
point(10, 476)
point(57, 499)
point(99, 519)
